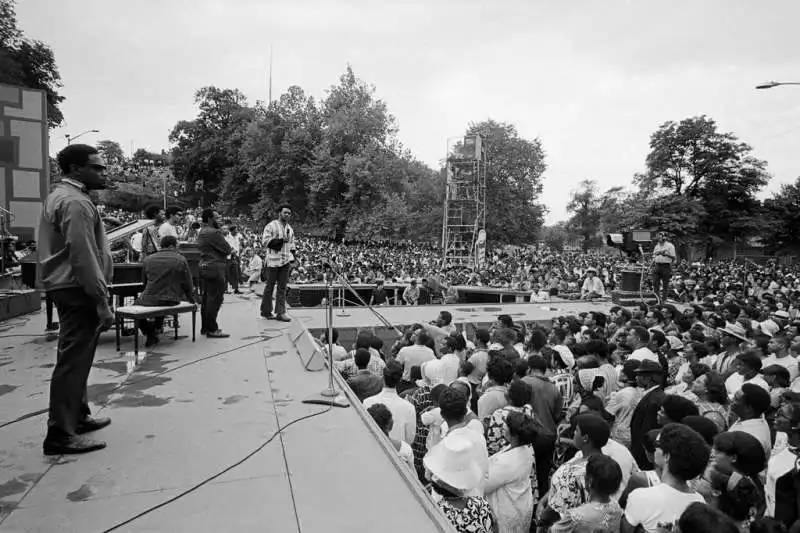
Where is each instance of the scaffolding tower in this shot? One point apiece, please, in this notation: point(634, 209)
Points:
point(464, 226)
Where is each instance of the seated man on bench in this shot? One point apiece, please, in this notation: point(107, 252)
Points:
point(167, 282)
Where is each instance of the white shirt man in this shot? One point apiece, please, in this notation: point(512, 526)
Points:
point(254, 268)
point(664, 252)
point(413, 355)
point(167, 229)
point(403, 414)
point(592, 286)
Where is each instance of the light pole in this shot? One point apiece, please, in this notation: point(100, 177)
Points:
point(71, 138)
point(771, 84)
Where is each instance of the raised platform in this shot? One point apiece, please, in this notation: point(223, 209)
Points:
point(14, 303)
point(185, 413)
point(312, 294)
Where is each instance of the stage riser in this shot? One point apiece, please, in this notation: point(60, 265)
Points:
point(14, 305)
point(312, 296)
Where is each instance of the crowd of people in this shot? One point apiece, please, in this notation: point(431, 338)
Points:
point(536, 269)
point(652, 419)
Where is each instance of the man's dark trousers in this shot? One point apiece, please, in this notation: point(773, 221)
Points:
point(212, 279)
point(279, 276)
point(233, 272)
point(77, 342)
point(662, 272)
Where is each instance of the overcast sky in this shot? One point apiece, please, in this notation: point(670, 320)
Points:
point(591, 79)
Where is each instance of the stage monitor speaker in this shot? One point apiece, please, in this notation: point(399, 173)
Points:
point(309, 351)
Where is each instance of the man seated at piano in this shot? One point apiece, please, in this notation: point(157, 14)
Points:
point(167, 281)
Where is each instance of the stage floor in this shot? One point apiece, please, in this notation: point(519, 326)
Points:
point(187, 412)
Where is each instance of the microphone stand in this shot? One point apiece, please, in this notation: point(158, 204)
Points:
point(329, 396)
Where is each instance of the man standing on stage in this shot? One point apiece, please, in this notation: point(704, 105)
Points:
point(214, 252)
point(278, 237)
point(75, 266)
point(663, 257)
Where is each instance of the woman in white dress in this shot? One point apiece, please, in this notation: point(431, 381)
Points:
point(508, 488)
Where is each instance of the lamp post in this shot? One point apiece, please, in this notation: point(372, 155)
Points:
point(771, 84)
point(71, 138)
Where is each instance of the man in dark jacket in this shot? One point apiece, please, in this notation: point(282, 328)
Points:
point(74, 267)
point(214, 252)
point(168, 280)
point(649, 378)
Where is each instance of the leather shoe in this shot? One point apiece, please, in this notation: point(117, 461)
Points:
point(283, 318)
point(269, 316)
point(217, 334)
point(72, 446)
point(92, 424)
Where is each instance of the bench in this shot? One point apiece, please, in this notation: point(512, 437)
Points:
point(141, 312)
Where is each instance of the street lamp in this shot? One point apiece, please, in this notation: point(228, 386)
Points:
point(771, 84)
point(70, 138)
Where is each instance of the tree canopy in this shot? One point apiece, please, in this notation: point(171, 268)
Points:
point(28, 63)
point(338, 162)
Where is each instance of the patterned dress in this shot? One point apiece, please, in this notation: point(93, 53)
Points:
point(421, 400)
point(475, 517)
point(568, 486)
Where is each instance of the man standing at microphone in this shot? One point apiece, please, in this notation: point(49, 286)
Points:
point(663, 257)
point(74, 268)
point(278, 237)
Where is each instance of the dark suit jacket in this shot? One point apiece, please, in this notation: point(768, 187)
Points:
point(645, 418)
point(168, 280)
point(365, 384)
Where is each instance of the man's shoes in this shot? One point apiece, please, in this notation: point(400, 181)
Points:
point(237, 291)
point(92, 424)
point(217, 334)
point(283, 318)
point(152, 340)
point(269, 316)
point(72, 446)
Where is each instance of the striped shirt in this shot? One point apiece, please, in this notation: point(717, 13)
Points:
point(277, 230)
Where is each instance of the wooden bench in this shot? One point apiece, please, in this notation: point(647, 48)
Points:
point(141, 312)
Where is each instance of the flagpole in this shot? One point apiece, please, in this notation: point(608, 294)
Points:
point(270, 75)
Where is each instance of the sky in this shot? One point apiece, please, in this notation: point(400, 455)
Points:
point(591, 79)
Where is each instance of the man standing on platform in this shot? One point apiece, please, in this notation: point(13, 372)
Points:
point(214, 251)
point(663, 257)
point(75, 265)
point(278, 237)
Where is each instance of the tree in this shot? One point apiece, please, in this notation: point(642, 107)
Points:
point(555, 236)
point(515, 167)
point(202, 150)
point(783, 211)
point(584, 206)
point(695, 167)
point(28, 63)
point(358, 128)
point(112, 152)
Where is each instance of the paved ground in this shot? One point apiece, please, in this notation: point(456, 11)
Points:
point(183, 414)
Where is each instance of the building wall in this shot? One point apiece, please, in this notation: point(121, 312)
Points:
point(24, 172)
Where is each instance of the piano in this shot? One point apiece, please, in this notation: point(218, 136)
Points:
point(127, 279)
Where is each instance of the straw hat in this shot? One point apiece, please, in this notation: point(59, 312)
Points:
point(734, 330)
point(453, 461)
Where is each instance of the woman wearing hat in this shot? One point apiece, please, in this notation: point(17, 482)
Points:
point(454, 473)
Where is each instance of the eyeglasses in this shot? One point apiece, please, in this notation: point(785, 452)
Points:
point(96, 167)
